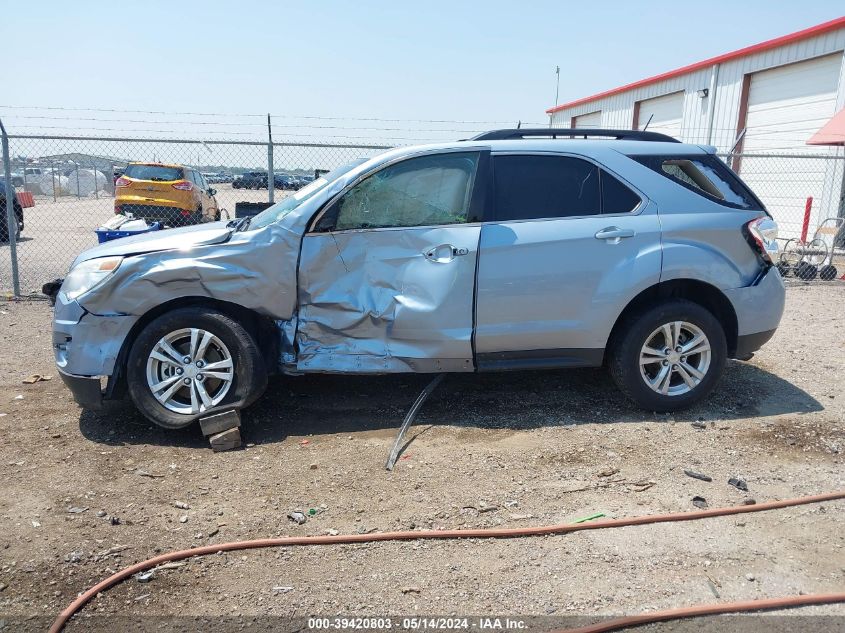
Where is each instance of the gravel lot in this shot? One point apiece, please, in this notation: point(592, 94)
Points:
point(513, 449)
point(57, 231)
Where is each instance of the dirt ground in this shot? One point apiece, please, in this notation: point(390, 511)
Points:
point(514, 449)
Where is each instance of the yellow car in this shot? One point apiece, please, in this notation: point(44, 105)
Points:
point(174, 195)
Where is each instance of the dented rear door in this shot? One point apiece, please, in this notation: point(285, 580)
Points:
point(387, 271)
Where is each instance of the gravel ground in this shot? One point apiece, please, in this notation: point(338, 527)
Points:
point(515, 449)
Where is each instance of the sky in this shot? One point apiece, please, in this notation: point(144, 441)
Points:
point(489, 62)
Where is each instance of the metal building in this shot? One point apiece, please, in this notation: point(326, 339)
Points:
point(769, 98)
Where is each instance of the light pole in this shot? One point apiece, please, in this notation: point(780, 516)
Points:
point(557, 87)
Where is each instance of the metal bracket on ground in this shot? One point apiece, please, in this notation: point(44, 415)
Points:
point(409, 418)
point(222, 430)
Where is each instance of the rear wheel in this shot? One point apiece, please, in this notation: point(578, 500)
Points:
point(668, 357)
point(189, 361)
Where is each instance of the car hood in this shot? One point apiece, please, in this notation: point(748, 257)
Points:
point(168, 239)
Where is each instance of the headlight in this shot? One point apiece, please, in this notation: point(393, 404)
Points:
point(85, 276)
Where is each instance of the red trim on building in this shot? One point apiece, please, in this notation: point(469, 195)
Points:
point(813, 31)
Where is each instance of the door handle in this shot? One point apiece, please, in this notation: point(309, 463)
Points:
point(613, 234)
point(444, 253)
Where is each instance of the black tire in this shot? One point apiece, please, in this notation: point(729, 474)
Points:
point(250, 375)
point(827, 273)
point(633, 333)
point(806, 271)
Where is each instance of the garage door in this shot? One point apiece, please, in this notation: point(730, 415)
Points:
point(665, 112)
point(786, 106)
point(593, 119)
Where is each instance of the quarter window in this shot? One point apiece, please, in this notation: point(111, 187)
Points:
point(529, 187)
point(616, 197)
point(425, 191)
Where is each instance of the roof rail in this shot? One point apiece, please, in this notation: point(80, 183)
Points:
point(555, 132)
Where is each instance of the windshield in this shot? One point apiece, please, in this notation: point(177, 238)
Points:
point(282, 208)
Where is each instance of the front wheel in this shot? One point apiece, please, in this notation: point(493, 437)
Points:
point(189, 361)
point(668, 357)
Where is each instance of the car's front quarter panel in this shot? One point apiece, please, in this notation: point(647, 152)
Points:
point(255, 270)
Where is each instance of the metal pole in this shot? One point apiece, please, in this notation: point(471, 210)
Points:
point(557, 87)
point(271, 177)
point(11, 220)
point(711, 104)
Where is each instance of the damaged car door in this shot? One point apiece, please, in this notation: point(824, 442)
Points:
point(387, 270)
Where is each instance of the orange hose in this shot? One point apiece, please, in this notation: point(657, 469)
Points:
point(563, 528)
point(707, 609)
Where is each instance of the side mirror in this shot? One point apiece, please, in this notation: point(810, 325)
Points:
point(212, 192)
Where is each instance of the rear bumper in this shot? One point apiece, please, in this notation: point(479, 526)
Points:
point(747, 344)
point(86, 390)
point(759, 308)
point(171, 216)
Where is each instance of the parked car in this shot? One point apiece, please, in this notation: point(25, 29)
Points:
point(17, 179)
point(284, 181)
point(251, 180)
point(641, 253)
point(174, 195)
point(4, 224)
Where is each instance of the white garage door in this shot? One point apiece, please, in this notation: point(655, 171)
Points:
point(665, 112)
point(786, 106)
point(592, 119)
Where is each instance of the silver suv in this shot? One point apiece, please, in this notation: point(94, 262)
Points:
point(518, 249)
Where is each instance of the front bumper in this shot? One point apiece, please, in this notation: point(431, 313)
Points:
point(86, 390)
point(86, 347)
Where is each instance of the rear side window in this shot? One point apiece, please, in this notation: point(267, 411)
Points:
point(537, 187)
point(533, 187)
point(153, 172)
point(705, 175)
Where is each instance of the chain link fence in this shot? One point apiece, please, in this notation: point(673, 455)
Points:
point(67, 189)
point(67, 184)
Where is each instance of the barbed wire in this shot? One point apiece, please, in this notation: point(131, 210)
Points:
point(259, 125)
point(280, 116)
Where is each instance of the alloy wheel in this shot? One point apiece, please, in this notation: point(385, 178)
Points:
point(675, 358)
point(190, 371)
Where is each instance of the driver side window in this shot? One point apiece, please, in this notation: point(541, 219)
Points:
point(423, 191)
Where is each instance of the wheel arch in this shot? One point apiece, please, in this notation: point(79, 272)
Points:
point(262, 328)
point(704, 294)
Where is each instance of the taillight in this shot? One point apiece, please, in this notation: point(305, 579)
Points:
point(762, 235)
point(118, 210)
point(183, 186)
point(122, 182)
